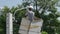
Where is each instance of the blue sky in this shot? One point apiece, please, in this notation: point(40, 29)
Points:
point(9, 3)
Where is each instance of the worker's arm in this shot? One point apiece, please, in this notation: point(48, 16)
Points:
point(26, 14)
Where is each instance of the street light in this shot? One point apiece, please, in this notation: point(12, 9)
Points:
point(15, 13)
point(9, 21)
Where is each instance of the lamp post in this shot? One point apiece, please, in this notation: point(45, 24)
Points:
point(9, 23)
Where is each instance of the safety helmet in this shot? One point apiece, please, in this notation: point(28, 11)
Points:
point(30, 7)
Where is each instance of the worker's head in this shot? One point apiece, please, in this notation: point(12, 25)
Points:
point(30, 8)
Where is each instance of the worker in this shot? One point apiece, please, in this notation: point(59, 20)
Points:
point(30, 14)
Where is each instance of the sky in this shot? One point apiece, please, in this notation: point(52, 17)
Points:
point(9, 3)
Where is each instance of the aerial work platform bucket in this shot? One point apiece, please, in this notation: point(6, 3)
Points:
point(33, 28)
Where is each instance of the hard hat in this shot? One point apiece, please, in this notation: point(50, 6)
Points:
point(30, 7)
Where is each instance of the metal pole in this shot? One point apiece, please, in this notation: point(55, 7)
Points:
point(9, 24)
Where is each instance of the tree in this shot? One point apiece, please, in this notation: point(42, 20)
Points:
point(49, 19)
point(3, 20)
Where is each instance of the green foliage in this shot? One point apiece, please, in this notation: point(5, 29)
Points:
point(2, 24)
point(6, 9)
point(25, 4)
point(49, 20)
point(13, 9)
point(43, 32)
